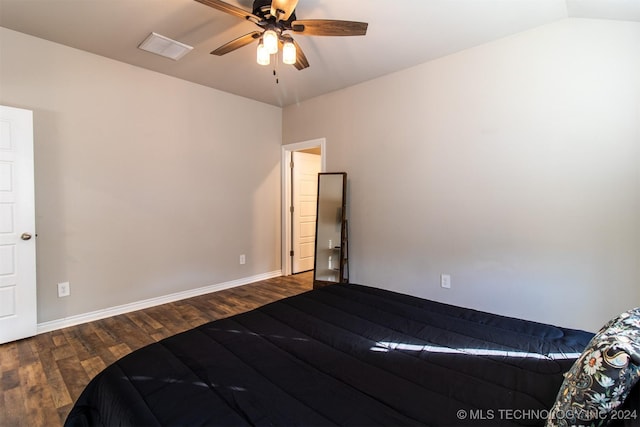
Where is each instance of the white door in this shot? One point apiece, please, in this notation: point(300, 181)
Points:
point(18, 305)
point(305, 193)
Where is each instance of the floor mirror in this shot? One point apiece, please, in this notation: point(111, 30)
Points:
point(331, 261)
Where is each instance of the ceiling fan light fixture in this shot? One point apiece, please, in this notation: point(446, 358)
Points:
point(270, 40)
point(264, 58)
point(275, 19)
point(289, 52)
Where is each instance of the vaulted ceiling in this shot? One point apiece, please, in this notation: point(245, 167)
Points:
point(401, 34)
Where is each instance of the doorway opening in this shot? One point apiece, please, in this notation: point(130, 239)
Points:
point(301, 163)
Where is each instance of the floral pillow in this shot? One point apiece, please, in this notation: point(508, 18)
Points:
point(602, 377)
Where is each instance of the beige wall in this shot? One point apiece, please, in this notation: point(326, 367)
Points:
point(146, 185)
point(513, 166)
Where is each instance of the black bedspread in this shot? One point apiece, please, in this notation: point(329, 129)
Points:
point(340, 355)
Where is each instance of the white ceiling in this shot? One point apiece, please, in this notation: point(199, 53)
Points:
point(402, 33)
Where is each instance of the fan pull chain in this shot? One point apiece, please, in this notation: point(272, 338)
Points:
point(275, 67)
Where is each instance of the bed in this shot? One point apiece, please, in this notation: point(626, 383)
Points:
point(340, 355)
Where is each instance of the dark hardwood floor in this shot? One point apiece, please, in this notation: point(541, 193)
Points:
point(41, 377)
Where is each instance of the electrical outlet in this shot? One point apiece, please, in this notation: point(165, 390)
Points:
point(243, 259)
point(64, 289)
point(445, 281)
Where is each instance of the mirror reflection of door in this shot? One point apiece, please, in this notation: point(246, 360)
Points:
point(306, 167)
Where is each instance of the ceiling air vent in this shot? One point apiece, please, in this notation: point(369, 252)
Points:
point(164, 46)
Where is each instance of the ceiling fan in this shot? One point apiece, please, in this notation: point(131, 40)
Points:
point(276, 18)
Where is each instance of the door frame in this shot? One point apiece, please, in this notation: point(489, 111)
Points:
point(286, 193)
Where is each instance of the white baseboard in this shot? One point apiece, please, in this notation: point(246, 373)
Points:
point(151, 302)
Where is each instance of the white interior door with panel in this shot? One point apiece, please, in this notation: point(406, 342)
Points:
point(18, 304)
point(305, 192)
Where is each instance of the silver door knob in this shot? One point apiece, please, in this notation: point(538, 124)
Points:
point(25, 236)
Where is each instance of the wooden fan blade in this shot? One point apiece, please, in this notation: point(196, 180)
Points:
point(282, 9)
point(301, 59)
point(237, 43)
point(329, 27)
point(230, 9)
